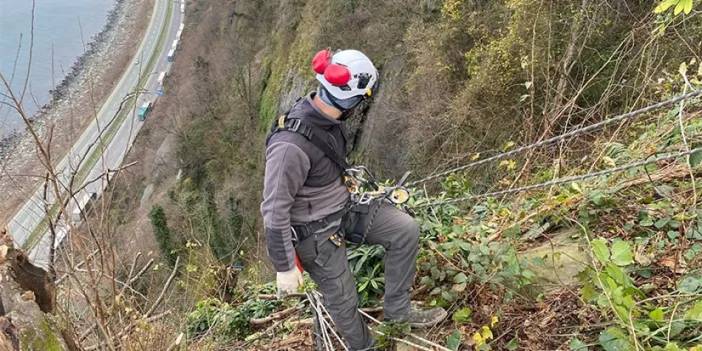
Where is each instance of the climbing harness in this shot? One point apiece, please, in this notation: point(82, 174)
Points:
point(367, 196)
point(311, 133)
point(364, 188)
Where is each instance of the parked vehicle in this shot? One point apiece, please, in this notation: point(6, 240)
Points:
point(159, 88)
point(171, 55)
point(87, 202)
point(144, 110)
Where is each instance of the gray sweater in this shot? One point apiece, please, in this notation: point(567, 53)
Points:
point(287, 196)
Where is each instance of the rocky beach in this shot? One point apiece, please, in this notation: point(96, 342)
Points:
point(74, 101)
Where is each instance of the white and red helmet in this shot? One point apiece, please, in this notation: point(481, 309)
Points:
point(345, 74)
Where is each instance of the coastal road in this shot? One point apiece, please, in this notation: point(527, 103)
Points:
point(102, 146)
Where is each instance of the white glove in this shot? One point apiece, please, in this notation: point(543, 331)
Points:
point(288, 282)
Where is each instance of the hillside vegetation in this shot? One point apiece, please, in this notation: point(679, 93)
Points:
point(612, 262)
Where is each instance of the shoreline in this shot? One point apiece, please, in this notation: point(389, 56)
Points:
point(73, 102)
point(95, 45)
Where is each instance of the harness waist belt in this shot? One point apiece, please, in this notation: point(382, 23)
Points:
point(305, 230)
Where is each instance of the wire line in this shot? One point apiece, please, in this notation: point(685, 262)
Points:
point(566, 179)
point(560, 137)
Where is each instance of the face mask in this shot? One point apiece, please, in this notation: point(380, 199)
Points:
point(343, 105)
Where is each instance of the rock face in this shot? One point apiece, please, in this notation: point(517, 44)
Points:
point(563, 258)
point(26, 301)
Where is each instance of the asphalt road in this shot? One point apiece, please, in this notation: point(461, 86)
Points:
point(103, 145)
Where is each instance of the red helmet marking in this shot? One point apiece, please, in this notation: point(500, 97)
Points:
point(321, 61)
point(337, 75)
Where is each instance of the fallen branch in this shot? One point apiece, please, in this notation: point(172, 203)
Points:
point(275, 297)
point(165, 288)
point(275, 316)
point(307, 322)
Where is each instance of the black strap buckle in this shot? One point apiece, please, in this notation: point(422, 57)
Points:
point(295, 125)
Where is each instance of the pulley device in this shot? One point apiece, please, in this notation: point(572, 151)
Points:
point(364, 188)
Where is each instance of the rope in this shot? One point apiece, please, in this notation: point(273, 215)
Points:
point(566, 179)
point(557, 138)
point(436, 346)
point(319, 308)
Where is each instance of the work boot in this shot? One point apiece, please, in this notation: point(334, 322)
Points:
point(425, 318)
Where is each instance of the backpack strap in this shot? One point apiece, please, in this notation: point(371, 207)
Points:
point(310, 132)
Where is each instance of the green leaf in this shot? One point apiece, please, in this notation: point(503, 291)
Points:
point(664, 6)
point(679, 7)
point(692, 252)
point(646, 221)
point(672, 235)
point(577, 345)
point(695, 312)
point(690, 284)
point(598, 197)
point(462, 316)
point(426, 281)
point(453, 341)
point(696, 157)
point(683, 6)
point(621, 253)
point(661, 222)
point(657, 315)
point(460, 278)
point(448, 296)
point(588, 292)
point(575, 186)
point(614, 339)
point(512, 344)
point(599, 248)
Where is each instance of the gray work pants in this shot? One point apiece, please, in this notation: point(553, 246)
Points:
point(328, 266)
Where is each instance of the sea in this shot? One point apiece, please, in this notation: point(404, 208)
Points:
point(62, 30)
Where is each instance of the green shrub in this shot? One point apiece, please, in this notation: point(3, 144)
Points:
point(225, 321)
point(162, 233)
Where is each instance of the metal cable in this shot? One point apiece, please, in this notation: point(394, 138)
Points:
point(557, 138)
point(567, 179)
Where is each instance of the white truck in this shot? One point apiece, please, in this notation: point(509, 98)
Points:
point(171, 55)
point(84, 204)
point(161, 78)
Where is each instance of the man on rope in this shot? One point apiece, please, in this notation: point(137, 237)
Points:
point(307, 209)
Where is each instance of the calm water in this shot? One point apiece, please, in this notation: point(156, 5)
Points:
point(58, 26)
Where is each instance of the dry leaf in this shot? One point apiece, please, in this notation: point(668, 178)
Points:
point(28, 296)
point(673, 263)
